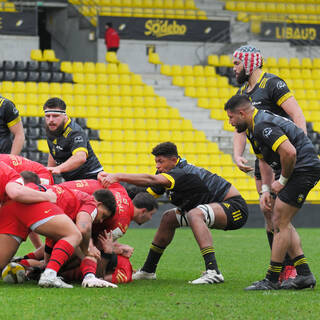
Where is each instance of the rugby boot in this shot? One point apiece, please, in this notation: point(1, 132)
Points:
point(264, 284)
point(299, 282)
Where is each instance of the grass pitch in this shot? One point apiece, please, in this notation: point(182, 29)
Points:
point(243, 257)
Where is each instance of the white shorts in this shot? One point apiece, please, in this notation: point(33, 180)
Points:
point(208, 215)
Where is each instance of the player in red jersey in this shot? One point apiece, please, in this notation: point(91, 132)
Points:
point(19, 164)
point(140, 209)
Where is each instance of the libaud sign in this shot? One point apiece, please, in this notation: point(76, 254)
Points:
point(168, 29)
point(297, 34)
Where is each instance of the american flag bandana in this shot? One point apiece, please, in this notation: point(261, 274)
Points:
point(250, 57)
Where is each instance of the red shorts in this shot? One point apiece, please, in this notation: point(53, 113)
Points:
point(123, 272)
point(16, 218)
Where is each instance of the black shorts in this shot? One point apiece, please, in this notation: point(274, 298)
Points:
point(298, 186)
point(236, 210)
point(257, 172)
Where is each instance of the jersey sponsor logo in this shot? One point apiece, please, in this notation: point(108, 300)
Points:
point(47, 211)
point(256, 103)
point(281, 84)
point(59, 147)
point(267, 132)
point(78, 139)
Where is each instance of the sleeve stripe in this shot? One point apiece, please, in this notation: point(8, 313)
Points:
point(80, 149)
point(278, 142)
point(284, 98)
point(259, 155)
point(13, 122)
point(149, 190)
point(170, 178)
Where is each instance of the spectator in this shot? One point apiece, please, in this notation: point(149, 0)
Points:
point(111, 38)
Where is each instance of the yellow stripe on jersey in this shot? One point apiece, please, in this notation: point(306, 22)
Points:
point(253, 116)
point(149, 190)
point(276, 145)
point(284, 98)
point(263, 83)
point(80, 149)
point(1, 101)
point(13, 122)
point(170, 178)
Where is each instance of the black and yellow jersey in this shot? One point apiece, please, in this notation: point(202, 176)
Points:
point(191, 186)
point(9, 116)
point(270, 130)
point(72, 140)
point(269, 93)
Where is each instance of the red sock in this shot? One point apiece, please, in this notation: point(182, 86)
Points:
point(24, 263)
point(88, 266)
point(30, 255)
point(61, 252)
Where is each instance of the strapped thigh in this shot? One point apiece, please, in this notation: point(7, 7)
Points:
point(181, 217)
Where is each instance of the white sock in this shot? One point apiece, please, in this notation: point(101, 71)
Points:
point(89, 276)
point(50, 272)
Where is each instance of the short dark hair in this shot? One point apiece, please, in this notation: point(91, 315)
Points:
point(55, 103)
point(167, 149)
point(107, 198)
point(29, 176)
point(145, 200)
point(236, 101)
point(109, 24)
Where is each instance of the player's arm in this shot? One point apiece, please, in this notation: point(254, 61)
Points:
point(288, 156)
point(239, 144)
point(292, 108)
point(51, 161)
point(139, 179)
point(24, 194)
point(19, 137)
point(74, 162)
point(84, 224)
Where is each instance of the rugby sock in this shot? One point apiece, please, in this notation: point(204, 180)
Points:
point(30, 255)
point(209, 258)
point(153, 258)
point(88, 266)
point(61, 252)
point(301, 265)
point(274, 271)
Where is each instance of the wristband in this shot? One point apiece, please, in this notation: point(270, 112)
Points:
point(106, 255)
point(282, 180)
point(265, 188)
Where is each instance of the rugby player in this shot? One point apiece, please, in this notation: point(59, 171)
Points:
point(204, 201)
point(71, 154)
point(269, 92)
point(280, 145)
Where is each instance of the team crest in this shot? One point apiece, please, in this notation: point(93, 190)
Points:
point(227, 205)
point(281, 84)
point(267, 132)
point(78, 139)
point(300, 198)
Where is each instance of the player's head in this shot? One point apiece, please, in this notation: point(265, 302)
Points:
point(55, 116)
point(145, 206)
point(239, 109)
point(108, 25)
point(30, 177)
point(166, 156)
point(106, 204)
point(246, 59)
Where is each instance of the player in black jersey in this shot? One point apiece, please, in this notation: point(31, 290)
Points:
point(204, 201)
point(269, 92)
point(10, 123)
point(71, 154)
point(279, 144)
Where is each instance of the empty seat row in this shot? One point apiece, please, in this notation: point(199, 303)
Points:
point(10, 65)
point(190, 81)
point(35, 76)
point(91, 67)
point(178, 70)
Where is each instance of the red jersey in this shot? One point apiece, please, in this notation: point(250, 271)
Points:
point(7, 174)
point(20, 164)
point(111, 38)
point(120, 222)
point(72, 201)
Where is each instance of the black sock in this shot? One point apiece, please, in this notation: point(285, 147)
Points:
point(301, 265)
point(274, 271)
point(209, 258)
point(153, 258)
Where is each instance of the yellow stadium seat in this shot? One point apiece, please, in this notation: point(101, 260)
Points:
point(154, 58)
point(36, 54)
point(79, 77)
point(90, 89)
point(31, 87)
point(209, 71)
point(19, 87)
point(19, 99)
point(77, 67)
point(211, 82)
point(213, 60)
point(112, 68)
point(270, 62)
point(111, 57)
point(101, 78)
point(66, 66)
point(284, 73)
point(79, 101)
point(90, 78)
point(100, 67)
point(176, 70)
point(78, 89)
point(283, 62)
point(66, 88)
point(225, 60)
point(137, 101)
point(295, 73)
point(49, 55)
point(198, 71)
point(137, 90)
point(294, 63)
point(306, 63)
point(113, 79)
point(136, 79)
point(188, 81)
point(190, 92)
point(89, 67)
point(55, 88)
point(178, 4)
point(161, 102)
point(305, 73)
point(123, 68)
point(165, 69)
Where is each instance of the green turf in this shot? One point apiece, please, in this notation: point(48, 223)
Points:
point(243, 257)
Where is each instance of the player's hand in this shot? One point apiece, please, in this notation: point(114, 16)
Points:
point(241, 162)
point(127, 251)
point(52, 197)
point(105, 239)
point(94, 252)
point(276, 187)
point(266, 202)
point(54, 170)
point(108, 179)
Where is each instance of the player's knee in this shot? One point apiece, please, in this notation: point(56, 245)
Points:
point(168, 216)
point(194, 214)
